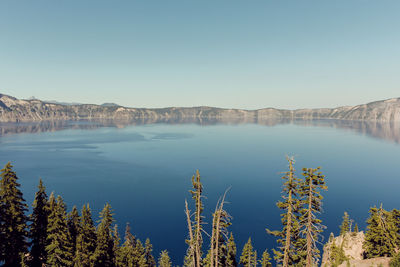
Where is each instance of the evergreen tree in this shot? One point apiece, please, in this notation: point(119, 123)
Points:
point(266, 259)
point(104, 255)
point(345, 226)
point(299, 245)
point(381, 234)
point(221, 257)
point(13, 227)
point(288, 237)
point(331, 237)
point(38, 227)
point(59, 248)
point(314, 182)
point(221, 221)
point(164, 259)
point(118, 257)
point(195, 241)
point(86, 240)
point(206, 262)
point(231, 257)
point(139, 257)
point(73, 222)
point(355, 231)
point(51, 203)
point(249, 256)
point(148, 250)
point(395, 215)
point(337, 255)
point(395, 261)
point(132, 251)
point(127, 249)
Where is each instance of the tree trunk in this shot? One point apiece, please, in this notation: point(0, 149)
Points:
point(198, 229)
point(309, 224)
point(217, 237)
point(189, 222)
point(289, 220)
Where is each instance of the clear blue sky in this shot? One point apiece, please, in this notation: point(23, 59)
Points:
point(226, 53)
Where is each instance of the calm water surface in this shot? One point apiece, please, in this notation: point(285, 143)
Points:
point(144, 171)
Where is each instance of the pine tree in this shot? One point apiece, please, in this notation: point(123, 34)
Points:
point(266, 259)
point(381, 234)
point(195, 241)
point(148, 250)
point(395, 261)
point(396, 220)
point(220, 257)
point(118, 257)
point(59, 248)
point(164, 259)
point(337, 255)
point(314, 183)
point(345, 226)
point(331, 237)
point(231, 257)
point(127, 249)
point(103, 255)
point(288, 236)
point(249, 256)
point(206, 261)
point(356, 228)
point(86, 240)
point(139, 257)
point(221, 221)
point(13, 227)
point(132, 251)
point(73, 222)
point(38, 227)
point(299, 244)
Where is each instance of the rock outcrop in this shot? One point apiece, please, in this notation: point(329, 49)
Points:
point(17, 110)
point(376, 262)
point(352, 245)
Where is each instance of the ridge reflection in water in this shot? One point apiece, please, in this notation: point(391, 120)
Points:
point(380, 130)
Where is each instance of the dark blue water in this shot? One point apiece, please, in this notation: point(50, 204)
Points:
point(144, 171)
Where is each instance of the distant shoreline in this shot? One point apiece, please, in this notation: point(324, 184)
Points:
point(17, 110)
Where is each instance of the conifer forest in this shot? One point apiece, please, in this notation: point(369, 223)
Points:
point(51, 236)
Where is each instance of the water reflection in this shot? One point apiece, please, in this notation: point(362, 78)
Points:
point(385, 131)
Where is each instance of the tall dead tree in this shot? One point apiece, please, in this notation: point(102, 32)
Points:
point(221, 220)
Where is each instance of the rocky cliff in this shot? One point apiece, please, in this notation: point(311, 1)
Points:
point(352, 245)
point(17, 110)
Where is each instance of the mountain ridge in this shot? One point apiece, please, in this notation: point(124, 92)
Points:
point(18, 110)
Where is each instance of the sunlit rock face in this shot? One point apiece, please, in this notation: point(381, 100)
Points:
point(352, 244)
point(17, 110)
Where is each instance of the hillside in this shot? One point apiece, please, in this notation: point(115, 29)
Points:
point(17, 110)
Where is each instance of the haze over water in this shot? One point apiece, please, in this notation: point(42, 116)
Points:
point(144, 171)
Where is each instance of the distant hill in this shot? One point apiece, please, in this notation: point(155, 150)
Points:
point(18, 110)
point(110, 105)
point(59, 103)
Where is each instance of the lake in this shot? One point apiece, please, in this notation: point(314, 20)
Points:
point(144, 171)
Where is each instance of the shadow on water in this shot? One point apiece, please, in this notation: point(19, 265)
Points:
point(380, 130)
